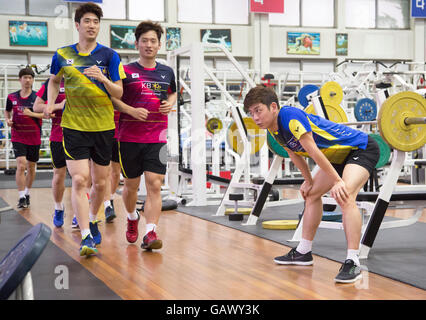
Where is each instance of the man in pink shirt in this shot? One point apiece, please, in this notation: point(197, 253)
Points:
point(149, 92)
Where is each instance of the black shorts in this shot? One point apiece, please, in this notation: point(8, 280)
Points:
point(30, 152)
point(366, 158)
point(136, 158)
point(80, 145)
point(57, 154)
point(115, 156)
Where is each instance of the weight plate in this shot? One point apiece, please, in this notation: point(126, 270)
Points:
point(275, 147)
point(385, 151)
point(335, 112)
point(331, 93)
point(280, 224)
point(391, 121)
point(304, 91)
point(256, 136)
point(365, 110)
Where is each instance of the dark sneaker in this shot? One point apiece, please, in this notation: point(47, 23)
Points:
point(58, 218)
point(132, 229)
point(94, 231)
point(294, 257)
point(109, 214)
point(151, 241)
point(22, 203)
point(88, 246)
point(74, 223)
point(27, 199)
point(349, 272)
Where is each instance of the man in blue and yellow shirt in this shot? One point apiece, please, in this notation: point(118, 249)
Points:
point(346, 157)
point(92, 74)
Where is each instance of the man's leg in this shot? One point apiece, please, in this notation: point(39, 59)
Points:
point(29, 179)
point(58, 189)
point(99, 175)
point(152, 209)
point(130, 197)
point(21, 164)
point(301, 255)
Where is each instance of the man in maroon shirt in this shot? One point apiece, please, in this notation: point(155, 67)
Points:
point(26, 133)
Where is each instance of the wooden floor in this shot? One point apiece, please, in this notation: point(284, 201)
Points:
point(202, 260)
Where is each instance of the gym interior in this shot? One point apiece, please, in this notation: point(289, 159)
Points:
point(230, 196)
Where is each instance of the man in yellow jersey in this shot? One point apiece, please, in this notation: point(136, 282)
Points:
point(346, 157)
point(92, 75)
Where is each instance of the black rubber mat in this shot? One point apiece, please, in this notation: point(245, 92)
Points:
point(398, 253)
point(55, 275)
point(43, 179)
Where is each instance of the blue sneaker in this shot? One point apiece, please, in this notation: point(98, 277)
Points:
point(95, 232)
point(74, 223)
point(58, 218)
point(88, 246)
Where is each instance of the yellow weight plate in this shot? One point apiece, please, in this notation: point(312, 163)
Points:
point(214, 125)
point(331, 93)
point(280, 224)
point(256, 136)
point(335, 112)
point(240, 210)
point(391, 121)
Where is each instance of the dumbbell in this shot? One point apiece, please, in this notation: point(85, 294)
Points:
point(236, 216)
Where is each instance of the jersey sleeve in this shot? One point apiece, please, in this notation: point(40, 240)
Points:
point(297, 122)
point(42, 92)
point(172, 87)
point(115, 68)
point(55, 66)
point(9, 105)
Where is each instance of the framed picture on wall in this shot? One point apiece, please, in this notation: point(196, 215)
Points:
point(122, 37)
point(303, 43)
point(341, 44)
point(173, 39)
point(28, 33)
point(219, 36)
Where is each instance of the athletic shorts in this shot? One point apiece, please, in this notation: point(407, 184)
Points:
point(30, 152)
point(115, 156)
point(366, 158)
point(136, 158)
point(80, 145)
point(57, 154)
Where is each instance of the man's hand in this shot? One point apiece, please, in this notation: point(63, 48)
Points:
point(339, 192)
point(96, 73)
point(140, 114)
point(48, 112)
point(305, 188)
point(165, 107)
point(27, 112)
point(9, 122)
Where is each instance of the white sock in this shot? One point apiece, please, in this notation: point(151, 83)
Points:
point(107, 203)
point(132, 216)
point(21, 194)
point(150, 227)
point(92, 217)
point(304, 246)
point(59, 206)
point(85, 233)
point(354, 256)
point(27, 191)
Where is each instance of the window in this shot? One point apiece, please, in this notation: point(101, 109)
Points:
point(290, 17)
point(282, 67)
point(318, 68)
point(146, 10)
point(12, 7)
point(393, 14)
point(384, 14)
point(47, 8)
point(231, 12)
point(198, 11)
point(318, 13)
point(114, 9)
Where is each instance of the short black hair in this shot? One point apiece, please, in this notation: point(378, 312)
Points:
point(88, 7)
point(146, 26)
point(26, 72)
point(260, 94)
